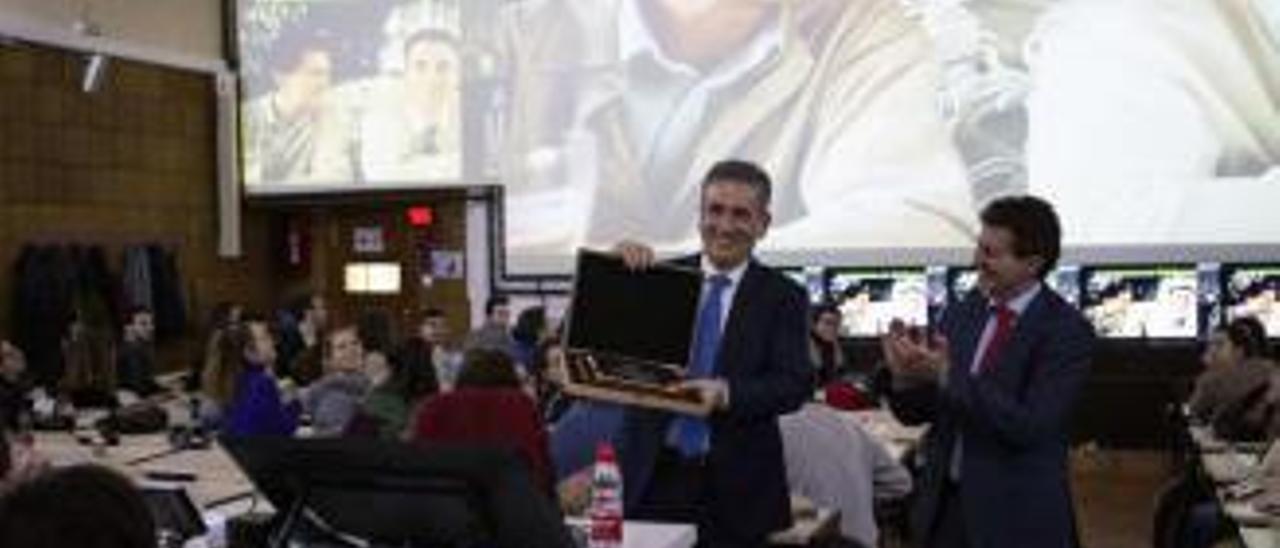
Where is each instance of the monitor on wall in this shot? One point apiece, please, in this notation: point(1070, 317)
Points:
point(811, 279)
point(869, 299)
point(1140, 302)
point(598, 121)
point(1253, 290)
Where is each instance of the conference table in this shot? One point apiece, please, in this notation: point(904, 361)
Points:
point(220, 489)
point(1231, 464)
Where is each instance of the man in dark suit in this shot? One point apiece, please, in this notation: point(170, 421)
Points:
point(725, 472)
point(998, 380)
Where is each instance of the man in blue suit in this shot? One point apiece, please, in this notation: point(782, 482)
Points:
point(998, 380)
point(725, 472)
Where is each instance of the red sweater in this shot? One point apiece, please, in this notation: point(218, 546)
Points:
point(503, 417)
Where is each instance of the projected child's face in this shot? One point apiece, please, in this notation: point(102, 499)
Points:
point(431, 69)
point(306, 83)
point(733, 219)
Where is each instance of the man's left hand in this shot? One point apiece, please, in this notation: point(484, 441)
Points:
point(713, 391)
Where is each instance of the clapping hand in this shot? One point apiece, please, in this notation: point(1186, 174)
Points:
point(912, 354)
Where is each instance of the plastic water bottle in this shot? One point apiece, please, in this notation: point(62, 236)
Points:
point(606, 500)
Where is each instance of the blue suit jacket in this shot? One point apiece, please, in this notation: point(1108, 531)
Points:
point(1014, 420)
point(764, 357)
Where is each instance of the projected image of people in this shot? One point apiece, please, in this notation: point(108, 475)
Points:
point(294, 133)
point(1158, 304)
point(1157, 122)
point(411, 130)
point(617, 107)
point(1256, 293)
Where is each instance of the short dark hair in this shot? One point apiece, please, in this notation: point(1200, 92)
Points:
point(1248, 334)
point(87, 506)
point(743, 172)
point(529, 324)
point(294, 42)
point(1033, 224)
point(495, 301)
point(486, 368)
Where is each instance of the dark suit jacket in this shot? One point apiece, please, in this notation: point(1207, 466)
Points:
point(1014, 420)
point(764, 358)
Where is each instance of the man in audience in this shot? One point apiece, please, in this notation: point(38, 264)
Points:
point(301, 343)
point(725, 471)
point(998, 380)
point(834, 462)
point(136, 361)
point(495, 334)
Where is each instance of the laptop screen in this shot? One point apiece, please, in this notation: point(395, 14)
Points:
point(648, 315)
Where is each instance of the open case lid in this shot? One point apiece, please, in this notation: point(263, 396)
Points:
point(646, 315)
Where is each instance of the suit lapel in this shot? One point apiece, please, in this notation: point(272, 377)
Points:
point(735, 328)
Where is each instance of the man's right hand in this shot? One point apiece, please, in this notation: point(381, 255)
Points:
point(636, 255)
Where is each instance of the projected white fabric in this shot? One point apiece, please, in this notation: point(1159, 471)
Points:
point(886, 124)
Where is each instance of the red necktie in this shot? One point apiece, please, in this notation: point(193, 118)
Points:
point(1004, 329)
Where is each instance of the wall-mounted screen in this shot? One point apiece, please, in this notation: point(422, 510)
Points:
point(812, 279)
point(884, 130)
point(871, 298)
point(1253, 290)
point(1142, 302)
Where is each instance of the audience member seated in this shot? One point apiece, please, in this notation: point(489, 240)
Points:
point(242, 386)
point(332, 400)
point(495, 333)
point(434, 330)
point(834, 462)
point(223, 316)
point(549, 377)
point(86, 506)
point(830, 363)
point(89, 370)
point(528, 333)
point(301, 348)
point(135, 363)
point(1236, 380)
point(409, 379)
point(13, 387)
point(488, 407)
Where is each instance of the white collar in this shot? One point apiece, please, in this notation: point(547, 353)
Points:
point(734, 274)
point(1019, 303)
point(636, 40)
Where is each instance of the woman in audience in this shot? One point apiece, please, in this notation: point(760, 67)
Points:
point(223, 316)
point(1237, 373)
point(85, 506)
point(333, 399)
point(398, 386)
point(488, 407)
point(825, 351)
point(242, 385)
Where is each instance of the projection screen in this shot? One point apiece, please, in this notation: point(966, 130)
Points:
point(1153, 126)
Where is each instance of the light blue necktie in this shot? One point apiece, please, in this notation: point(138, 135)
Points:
point(692, 432)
